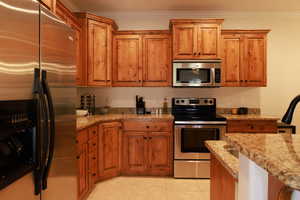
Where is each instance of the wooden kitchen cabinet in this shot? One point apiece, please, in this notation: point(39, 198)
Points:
point(244, 58)
point(277, 190)
point(50, 4)
point(97, 49)
point(222, 183)
point(70, 19)
point(147, 150)
point(141, 58)
point(251, 126)
point(109, 150)
point(196, 38)
point(83, 164)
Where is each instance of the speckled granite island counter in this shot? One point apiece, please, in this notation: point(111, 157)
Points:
point(84, 122)
point(267, 154)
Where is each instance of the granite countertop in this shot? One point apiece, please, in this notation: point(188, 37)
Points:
point(249, 117)
point(230, 162)
point(277, 154)
point(84, 122)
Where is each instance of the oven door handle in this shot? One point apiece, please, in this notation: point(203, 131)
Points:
point(201, 126)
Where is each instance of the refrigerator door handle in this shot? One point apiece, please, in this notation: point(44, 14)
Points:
point(47, 93)
point(42, 131)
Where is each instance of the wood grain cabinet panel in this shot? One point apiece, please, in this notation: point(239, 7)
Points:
point(134, 159)
point(96, 49)
point(232, 50)
point(99, 60)
point(159, 153)
point(251, 126)
point(109, 150)
point(196, 38)
point(156, 60)
point(127, 58)
point(184, 41)
point(147, 152)
point(222, 184)
point(278, 190)
point(244, 58)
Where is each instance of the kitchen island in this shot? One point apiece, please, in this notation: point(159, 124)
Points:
point(262, 155)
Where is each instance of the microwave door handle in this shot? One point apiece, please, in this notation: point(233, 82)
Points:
point(52, 128)
point(213, 76)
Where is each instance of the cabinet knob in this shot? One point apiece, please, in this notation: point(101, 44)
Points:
point(93, 174)
point(195, 54)
point(94, 158)
point(147, 127)
point(246, 81)
point(150, 138)
point(94, 144)
point(199, 54)
point(77, 157)
point(241, 81)
point(145, 138)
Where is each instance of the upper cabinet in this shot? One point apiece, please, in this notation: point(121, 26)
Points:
point(50, 4)
point(244, 58)
point(141, 58)
point(67, 16)
point(196, 38)
point(97, 49)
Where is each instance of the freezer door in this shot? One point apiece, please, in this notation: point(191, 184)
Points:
point(19, 48)
point(19, 55)
point(58, 63)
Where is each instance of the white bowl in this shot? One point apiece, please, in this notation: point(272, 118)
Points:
point(82, 113)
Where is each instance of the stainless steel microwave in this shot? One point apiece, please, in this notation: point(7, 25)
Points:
point(196, 73)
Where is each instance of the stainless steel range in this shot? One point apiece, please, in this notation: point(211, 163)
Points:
point(195, 121)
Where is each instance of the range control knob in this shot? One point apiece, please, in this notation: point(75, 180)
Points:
point(177, 101)
point(211, 101)
point(205, 101)
point(182, 100)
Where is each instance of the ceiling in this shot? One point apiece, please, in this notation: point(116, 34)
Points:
point(181, 5)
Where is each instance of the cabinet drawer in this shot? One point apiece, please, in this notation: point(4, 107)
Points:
point(251, 126)
point(82, 137)
point(93, 165)
point(147, 126)
point(93, 145)
point(93, 131)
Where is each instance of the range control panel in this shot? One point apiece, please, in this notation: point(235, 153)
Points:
point(194, 101)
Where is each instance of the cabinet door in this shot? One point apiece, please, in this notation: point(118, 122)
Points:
point(208, 41)
point(80, 79)
point(83, 178)
point(232, 56)
point(99, 58)
point(222, 184)
point(160, 156)
point(134, 160)
point(109, 149)
point(255, 60)
point(127, 56)
point(156, 60)
point(184, 41)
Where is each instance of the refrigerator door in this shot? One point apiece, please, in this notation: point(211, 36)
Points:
point(19, 49)
point(57, 63)
point(19, 55)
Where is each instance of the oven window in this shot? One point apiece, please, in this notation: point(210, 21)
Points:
point(192, 139)
point(193, 75)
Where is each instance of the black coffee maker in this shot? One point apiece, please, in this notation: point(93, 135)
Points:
point(140, 105)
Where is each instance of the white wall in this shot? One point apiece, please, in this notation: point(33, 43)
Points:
point(283, 61)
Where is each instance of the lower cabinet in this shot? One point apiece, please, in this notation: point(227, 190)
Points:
point(222, 183)
point(277, 190)
point(84, 168)
point(109, 150)
point(251, 126)
point(147, 150)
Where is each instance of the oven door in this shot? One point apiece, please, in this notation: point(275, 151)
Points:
point(189, 140)
point(192, 75)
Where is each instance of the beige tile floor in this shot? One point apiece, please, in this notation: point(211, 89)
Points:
point(151, 188)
